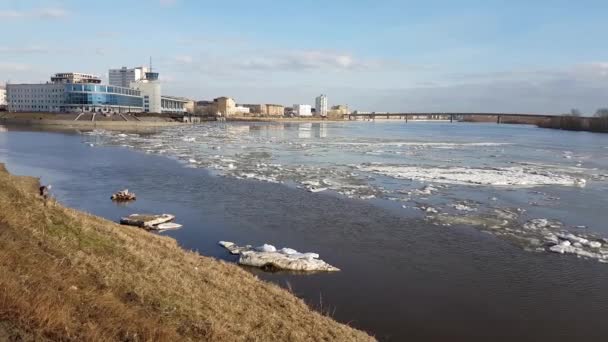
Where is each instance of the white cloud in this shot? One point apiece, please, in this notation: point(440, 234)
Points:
point(42, 13)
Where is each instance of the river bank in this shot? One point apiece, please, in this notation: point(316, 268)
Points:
point(71, 275)
point(125, 122)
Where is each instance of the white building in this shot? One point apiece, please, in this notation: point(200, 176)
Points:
point(241, 110)
point(150, 89)
point(72, 92)
point(2, 96)
point(123, 77)
point(302, 110)
point(321, 105)
point(172, 104)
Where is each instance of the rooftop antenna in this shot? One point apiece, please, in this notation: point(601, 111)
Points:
point(150, 63)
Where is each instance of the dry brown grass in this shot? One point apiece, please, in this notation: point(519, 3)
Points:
point(69, 276)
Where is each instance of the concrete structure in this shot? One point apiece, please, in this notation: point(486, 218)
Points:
point(302, 110)
point(70, 92)
point(123, 77)
point(321, 105)
point(224, 106)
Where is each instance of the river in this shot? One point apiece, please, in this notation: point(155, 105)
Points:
point(442, 231)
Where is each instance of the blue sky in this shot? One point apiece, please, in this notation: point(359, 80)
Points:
point(384, 55)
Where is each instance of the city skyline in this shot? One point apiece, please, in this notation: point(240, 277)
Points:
point(387, 56)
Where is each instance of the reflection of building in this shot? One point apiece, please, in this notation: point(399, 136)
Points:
point(123, 77)
point(69, 92)
point(304, 130)
point(321, 105)
point(302, 110)
point(320, 130)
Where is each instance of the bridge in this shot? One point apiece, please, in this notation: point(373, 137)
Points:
point(446, 116)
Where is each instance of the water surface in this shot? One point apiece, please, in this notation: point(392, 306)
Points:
point(405, 276)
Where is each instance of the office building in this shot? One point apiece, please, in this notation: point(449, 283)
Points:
point(72, 92)
point(321, 105)
point(302, 110)
point(123, 77)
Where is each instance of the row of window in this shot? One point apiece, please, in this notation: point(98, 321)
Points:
point(100, 99)
point(102, 89)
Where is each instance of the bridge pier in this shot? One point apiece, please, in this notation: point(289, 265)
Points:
point(451, 118)
point(498, 119)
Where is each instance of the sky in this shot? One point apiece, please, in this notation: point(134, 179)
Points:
point(536, 56)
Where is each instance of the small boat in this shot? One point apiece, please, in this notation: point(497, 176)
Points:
point(147, 221)
point(123, 196)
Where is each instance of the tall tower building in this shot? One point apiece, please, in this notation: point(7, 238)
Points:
point(150, 89)
point(321, 105)
point(123, 77)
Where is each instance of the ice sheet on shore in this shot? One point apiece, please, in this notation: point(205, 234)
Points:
point(508, 176)
point(267, 256)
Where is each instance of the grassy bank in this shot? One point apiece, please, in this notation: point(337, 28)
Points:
point(70, 276)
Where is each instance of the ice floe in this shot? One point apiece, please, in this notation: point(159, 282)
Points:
point(508, 176)
point(269, 257)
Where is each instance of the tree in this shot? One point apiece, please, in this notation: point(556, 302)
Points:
point(575, 112)
point(602, 113)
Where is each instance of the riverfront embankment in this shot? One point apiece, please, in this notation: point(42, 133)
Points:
point(67, 275)
point(87, 121)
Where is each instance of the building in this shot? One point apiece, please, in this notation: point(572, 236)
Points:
point(265, 109)
point(275, 110)
point(123, 77)
point(75, 77)
point(339, 110)
point(190, 106)
point(240, 110)
point(224, 106)
point(173, 104)
point(72, 92)
point(302, 110)
point(2, 97)
point(321, 105)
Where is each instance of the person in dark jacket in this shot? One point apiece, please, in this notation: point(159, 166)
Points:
point(45, 192)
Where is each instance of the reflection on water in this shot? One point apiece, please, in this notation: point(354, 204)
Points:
point(405, 274)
